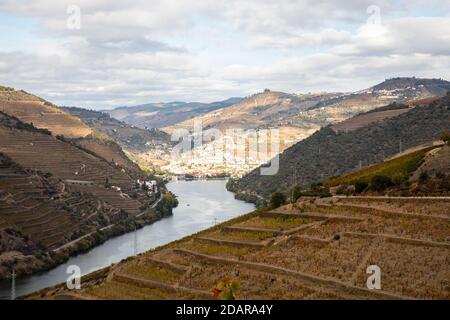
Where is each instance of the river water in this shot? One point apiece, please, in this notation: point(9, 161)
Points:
point(201, 205)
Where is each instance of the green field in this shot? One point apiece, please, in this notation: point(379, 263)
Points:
point(403, 165)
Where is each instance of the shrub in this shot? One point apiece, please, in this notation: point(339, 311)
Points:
point(226, 290)
point(398, 178)
point(380, 183)
point(445, 136)
point(296, 192)
point(316, 186)
point(342, 189)
point(360, 186)
point(276, 200)
point(423, 177)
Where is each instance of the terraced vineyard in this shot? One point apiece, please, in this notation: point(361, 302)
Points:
point(316, 249)
point(44, 115)
point(57, 199)
point(25, 205)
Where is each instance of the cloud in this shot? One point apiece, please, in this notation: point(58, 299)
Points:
point(139, 51)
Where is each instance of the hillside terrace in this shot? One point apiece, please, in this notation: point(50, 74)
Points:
point(315, 249)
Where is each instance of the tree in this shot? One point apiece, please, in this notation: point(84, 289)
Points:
point(296, 193)
point(380, 183)
point(423, 177)
point(398, 178)
point(360, 186)
point(445, 136)
point(277, 199)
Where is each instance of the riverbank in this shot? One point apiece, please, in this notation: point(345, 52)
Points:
point(202, 204)
point(318, 249)
point(29, 265)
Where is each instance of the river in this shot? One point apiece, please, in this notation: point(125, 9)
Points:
point(201, 205)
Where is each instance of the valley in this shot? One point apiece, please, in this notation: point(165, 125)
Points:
point(356, 179)
point(313, 249)
point(249, 156)
point(60, 195)
point(237, 138)
point(214, 205)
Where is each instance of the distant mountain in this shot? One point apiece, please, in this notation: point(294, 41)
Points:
point(128, 136)
point(311, 111)
point(149, 147)
point(330, 152)
point(398, 89)
point(158, 115)
point(297, 116)
point(412, 87)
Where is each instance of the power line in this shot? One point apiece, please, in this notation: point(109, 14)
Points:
point(13, 284)
point(135, 241)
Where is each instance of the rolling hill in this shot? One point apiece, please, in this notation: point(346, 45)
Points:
point(150, 148)
point(312, 250)
point(63, 193)
point(305, 111)
point(158, 115)
point(297, 116)
point(328, 153)
point(41, 113)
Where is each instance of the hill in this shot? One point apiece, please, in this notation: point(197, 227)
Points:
point(422, 172)
point(149, 147)
point(315, 249)
point(158, 115)
point(41, 113)
point(328, 153)
point(278, 109)
point(297, 116)
point(59, 197)
point(365, 118)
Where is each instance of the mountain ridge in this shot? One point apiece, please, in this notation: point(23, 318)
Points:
point(328, 153)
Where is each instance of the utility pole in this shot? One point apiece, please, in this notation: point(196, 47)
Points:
point(400, 146)
point(135, 241)
point(294, 180)
point(13, 284)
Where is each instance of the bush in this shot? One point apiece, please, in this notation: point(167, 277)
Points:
point(342, 189)
point(316, 186)
point(423, 177)
point(445, 136)
point(277, 199)
point(380, 183)
point(360, 186)
point(296, 192)
point(398, 179)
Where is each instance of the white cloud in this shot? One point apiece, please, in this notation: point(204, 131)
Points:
point(137, 51)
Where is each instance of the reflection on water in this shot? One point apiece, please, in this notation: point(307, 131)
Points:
point(201, 205)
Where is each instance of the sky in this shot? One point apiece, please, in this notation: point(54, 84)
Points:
point(102, 54)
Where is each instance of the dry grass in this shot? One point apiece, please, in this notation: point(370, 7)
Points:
point(242, 235)
point(412, 270)
point(278, 223)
